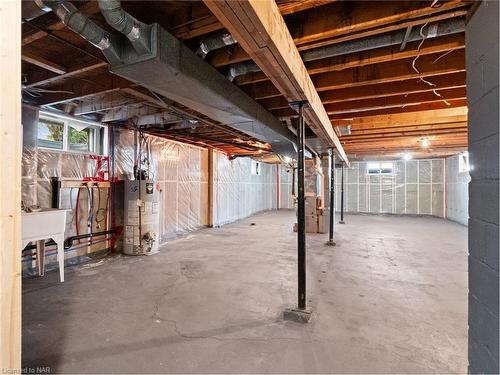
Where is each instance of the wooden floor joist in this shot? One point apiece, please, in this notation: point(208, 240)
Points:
point(387, 72)
point(343, 24)
point(370, 57)
point(456, 103)
point(261, 31)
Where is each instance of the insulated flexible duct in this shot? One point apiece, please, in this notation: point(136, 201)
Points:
point(135, 31)
point(82, 25)
point(452, 26)
point(214, 42)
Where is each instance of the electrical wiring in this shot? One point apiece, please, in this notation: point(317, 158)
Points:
point(413, 64)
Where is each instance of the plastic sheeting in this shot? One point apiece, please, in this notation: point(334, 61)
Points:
point(457, 187)
point(414, 187)
point(182, 172)
point(287, 200)
point(239, 191)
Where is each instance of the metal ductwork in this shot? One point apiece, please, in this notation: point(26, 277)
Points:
point(171, 69)
point(447, 27)
point(236, 70)
point(135, 31)
point(214, 42)
point(82, 25)
point(451, 26)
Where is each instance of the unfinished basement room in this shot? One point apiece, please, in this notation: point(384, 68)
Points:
point(249, 187)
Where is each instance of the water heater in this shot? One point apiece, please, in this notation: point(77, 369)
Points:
point(142, 218)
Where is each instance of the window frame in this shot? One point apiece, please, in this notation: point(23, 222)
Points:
point(464, 162)
point(100, 135)
point(380, 168)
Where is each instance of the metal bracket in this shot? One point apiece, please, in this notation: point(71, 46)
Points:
point(300, 103)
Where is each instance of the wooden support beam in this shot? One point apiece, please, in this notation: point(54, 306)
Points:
point(261, 31)
point(10, 188)
point(370, 57)
point(42, 62)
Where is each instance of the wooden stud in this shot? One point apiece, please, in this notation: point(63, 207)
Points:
point(10, 190)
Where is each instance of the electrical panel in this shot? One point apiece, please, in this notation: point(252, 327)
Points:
point(142, 217)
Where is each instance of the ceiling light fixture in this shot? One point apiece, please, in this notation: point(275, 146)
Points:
point(407, 156)
point(424, 142)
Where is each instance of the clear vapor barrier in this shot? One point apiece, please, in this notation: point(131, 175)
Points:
point(396, 187)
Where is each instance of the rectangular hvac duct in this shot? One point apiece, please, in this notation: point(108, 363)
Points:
point(174, 71)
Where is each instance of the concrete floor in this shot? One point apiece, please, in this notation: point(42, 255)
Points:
point(391, 297)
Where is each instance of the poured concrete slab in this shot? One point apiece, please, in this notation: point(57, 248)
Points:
point(391, 297)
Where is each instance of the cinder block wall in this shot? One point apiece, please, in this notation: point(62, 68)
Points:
point(482, 39)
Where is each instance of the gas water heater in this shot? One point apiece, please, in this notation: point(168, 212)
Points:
point(142, 218)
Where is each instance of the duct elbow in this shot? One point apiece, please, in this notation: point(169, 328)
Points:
point(215, 42)
point(135, 31)
point(240, 69)
point(82, 25)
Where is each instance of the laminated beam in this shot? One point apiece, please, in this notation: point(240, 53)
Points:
point(261, 31)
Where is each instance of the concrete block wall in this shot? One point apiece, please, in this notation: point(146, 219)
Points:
point(482, 56)
point(457, 191)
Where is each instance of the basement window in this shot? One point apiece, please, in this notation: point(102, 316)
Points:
point(376, 168)
point(64, 134)
point(50, 134)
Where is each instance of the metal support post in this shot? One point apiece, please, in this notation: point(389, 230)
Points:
point(300, 313)
point(342, 196)
point(301, 219)
point(332, 197)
